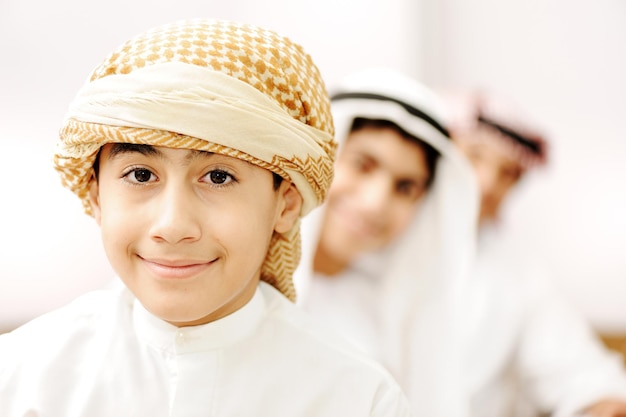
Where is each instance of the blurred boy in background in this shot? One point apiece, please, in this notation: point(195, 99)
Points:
point(529, 351)
point(386, 258)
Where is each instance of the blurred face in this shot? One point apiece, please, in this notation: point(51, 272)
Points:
point(379, 179)
point(187, 231)
point(496, 171)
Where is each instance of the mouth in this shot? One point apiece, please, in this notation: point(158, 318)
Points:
point(356, 225)
point(175, 268)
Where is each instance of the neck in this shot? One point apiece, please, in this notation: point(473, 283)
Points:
point(327, 265)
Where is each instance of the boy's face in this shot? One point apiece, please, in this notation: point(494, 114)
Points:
point(379, 179)
point(496, 171)
point(187, 231)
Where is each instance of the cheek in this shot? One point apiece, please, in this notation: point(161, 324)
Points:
point(401, 214)
point(120, 224)
point(114, 215)
point(247, 231)
point(487, 181)
point(502, 190)
point(345, 182)
point(118, 233)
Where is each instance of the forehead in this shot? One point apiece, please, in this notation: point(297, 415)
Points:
point(490, 148)
point(387, 147)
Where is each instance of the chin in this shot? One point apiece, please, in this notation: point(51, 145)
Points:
point(186, 320)
point(177, 314)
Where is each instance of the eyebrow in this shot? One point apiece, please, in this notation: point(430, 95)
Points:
point(149, 150)
point(124, 148)
point(418, 181)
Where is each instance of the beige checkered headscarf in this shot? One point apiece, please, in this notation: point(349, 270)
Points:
point(216, 86)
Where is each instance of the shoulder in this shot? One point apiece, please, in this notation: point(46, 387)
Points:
point(324, 355)
point(71, 324)
point(298, 324)
point(315, 359)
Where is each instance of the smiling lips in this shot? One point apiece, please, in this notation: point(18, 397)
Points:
point(356, 223)
point(175, 269)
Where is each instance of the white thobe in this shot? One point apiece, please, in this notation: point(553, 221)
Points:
point(530, 352)
point(105, 355)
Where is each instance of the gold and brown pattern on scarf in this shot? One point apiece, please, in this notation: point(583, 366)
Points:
point(267, 61)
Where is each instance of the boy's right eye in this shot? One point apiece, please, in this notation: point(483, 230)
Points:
point(362, 163)
point(140, 175)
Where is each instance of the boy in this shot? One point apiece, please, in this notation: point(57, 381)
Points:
point(386, 259)
point(530, 353)
point(402, 289)
point(197, 146)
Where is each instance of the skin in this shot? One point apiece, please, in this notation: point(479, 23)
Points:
point(187, 231)
point(380, 177)
point(497, 175)
point(497, 172)
point(608, 408)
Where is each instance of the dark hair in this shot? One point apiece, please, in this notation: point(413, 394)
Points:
point(277, 179)
point(432, 155)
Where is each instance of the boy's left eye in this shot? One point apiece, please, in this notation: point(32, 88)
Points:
point(140, 175)
point(219, 177)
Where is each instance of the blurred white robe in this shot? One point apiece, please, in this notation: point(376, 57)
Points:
point(530, 350)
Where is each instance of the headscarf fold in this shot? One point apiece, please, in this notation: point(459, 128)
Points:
point(216, 86)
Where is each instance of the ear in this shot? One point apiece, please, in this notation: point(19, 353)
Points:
point(94, 200)
point(290, 205)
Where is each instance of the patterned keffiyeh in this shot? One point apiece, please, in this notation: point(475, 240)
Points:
point(216, 86)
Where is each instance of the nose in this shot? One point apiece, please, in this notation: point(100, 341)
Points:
point(175, 215)
point(487, 179)
point(375, 196)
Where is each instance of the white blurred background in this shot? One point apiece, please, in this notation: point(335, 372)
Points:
point(564, 61)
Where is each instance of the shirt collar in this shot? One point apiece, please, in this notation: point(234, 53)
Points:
point(215, 335)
